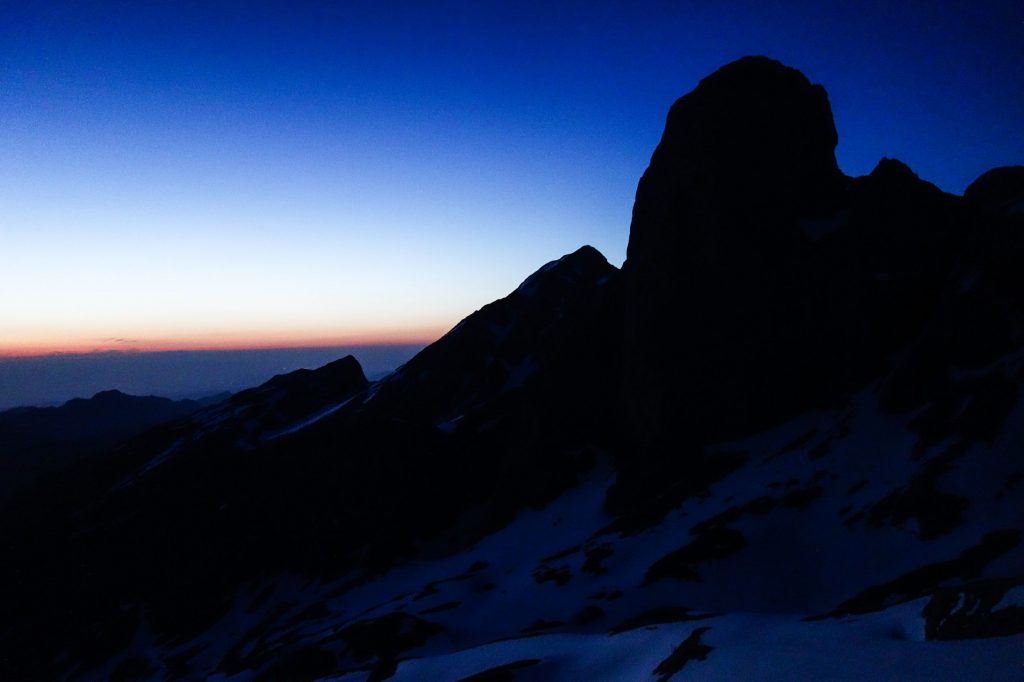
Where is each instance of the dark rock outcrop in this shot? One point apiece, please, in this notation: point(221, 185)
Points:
point(286, 400)
point(761, 282)
point(1000, 190)
point(716, 246)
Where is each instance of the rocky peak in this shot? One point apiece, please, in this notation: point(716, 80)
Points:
point(1000, 190)
point(754, 129)
point(716, 246)
point(111, 394)
point(556, 321)
point(893, 170)
point(736, 318)
point(584, 264)
point(344, 372)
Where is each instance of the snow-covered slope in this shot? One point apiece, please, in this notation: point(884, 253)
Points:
point(795, 564)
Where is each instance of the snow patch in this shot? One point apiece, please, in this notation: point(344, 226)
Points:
point(150, 465)
point(1013, 597)
point(309, 421)
point(519, 374)
point(816, 230)
point(450, 425)
point(161, 458)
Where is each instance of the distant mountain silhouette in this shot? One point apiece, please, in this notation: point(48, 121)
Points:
point(793, 416)
point(34, 440)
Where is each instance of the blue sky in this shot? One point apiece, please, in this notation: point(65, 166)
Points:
point(212, 175)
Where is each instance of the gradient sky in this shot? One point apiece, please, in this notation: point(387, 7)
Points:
point(209, 175)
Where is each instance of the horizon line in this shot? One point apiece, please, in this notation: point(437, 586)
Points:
point(27, 354)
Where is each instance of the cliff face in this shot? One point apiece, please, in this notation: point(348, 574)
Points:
point(716, 244)
point(760, 281)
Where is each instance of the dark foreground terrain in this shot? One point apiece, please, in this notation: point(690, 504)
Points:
point(34, 440)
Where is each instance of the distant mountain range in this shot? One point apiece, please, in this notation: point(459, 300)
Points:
point(34, 440)
point(785, 441)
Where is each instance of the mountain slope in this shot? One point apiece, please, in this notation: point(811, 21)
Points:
point(34, 440)
point(350, 483)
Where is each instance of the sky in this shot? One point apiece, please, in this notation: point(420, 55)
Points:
point(203, 175)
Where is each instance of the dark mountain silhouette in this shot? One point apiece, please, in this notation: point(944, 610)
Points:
point(1000, 190)
point(793, 416)
point(376, 468)
point(34, 440)
point(792, 284)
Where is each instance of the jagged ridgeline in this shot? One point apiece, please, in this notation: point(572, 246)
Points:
point(793, 416)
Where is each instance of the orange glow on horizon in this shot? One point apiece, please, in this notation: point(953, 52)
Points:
point(217, 342)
